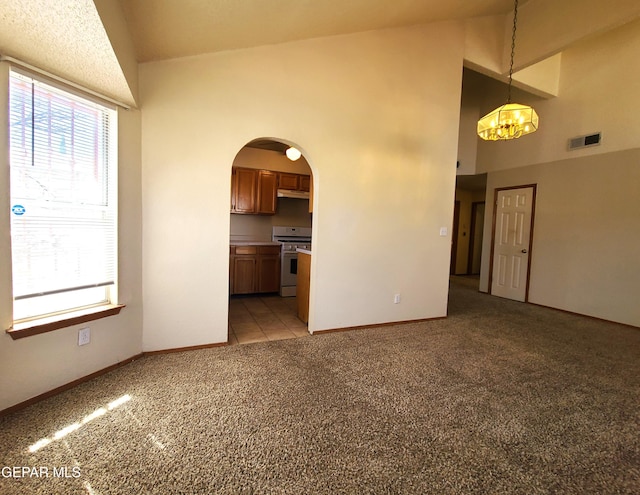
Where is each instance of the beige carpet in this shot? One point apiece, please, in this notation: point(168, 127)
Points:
point(499, 398)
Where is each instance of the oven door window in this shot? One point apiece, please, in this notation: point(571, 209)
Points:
point(293, 266)
point(289, 269)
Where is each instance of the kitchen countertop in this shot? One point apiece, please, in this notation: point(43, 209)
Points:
point(303, 251)
point(254, 243)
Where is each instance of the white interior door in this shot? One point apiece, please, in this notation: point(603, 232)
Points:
point(514, 210)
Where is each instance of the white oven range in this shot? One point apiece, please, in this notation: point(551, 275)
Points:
point(290, 238)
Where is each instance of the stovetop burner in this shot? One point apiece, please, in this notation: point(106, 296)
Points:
point(292, 237)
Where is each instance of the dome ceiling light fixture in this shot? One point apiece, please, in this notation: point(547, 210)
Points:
point(293, 153)
point(512, 120)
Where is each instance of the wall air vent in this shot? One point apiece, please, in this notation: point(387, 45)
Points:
point(585, 141)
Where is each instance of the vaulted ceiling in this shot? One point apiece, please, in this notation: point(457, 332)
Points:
point(99, 43)
point(164, 29)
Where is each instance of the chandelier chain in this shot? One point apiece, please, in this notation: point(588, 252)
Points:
point(512, 120)
point(513, 48)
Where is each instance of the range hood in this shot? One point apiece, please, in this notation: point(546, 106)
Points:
point(288, 193)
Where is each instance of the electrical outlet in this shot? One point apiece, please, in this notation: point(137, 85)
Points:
point(396, 299)
point(84, 336)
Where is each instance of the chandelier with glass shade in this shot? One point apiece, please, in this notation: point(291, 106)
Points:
point(511, 120)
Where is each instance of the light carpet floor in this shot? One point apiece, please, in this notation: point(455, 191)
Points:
point(498, 398)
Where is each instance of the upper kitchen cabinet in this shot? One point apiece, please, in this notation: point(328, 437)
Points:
point(305, 183)
point(267, 189)
point(253, 191)
point(294, 182)
point(243, 190)
point(288, 181)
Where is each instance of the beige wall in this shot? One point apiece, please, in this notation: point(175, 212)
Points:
point(34, 365)
point(379, 131)
point(587, 232)
point(599, 84)
point(586, 236)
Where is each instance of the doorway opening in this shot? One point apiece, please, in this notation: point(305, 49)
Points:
point(271, 193)
point(468, 227)
point(454, 238)
point(475, 238)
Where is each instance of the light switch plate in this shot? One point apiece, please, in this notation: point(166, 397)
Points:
point(443, 231)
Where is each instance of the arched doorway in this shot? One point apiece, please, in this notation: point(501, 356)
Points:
point(271, 193)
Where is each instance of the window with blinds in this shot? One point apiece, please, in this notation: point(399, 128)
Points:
point(63, 199)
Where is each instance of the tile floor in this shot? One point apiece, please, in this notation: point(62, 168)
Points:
point(258, 318)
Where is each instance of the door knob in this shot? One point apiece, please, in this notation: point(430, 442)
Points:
point(524, 251)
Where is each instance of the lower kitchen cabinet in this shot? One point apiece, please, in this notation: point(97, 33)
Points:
point(304, 282)
point(254, 269)
point(244, 278)
point(269, 272)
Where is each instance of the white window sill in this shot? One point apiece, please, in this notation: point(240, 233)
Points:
point(48, 324)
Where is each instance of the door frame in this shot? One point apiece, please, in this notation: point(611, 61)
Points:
point(453, 261)
point(472, 234)
point(493, 233)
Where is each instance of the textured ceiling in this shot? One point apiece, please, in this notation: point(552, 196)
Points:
point(68, 37)
point(65, 37)
point(163, 29)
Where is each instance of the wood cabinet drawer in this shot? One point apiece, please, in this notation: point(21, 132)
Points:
point(268, 249)
point(246, 250)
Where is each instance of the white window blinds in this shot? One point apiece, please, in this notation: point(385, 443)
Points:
point(63, 196)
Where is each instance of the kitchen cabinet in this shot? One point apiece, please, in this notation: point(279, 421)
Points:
point(305, 183)
point(254, 269)
point(253, 191)
point(243, 266)
point(294, 182)
point(267, 188)
point(268, 269)
point(304, 282)
point(243, 190)
point(288, 181)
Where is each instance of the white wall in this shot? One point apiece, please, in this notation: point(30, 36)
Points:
point(375, 114)
point(587, 231)
point(38, 364)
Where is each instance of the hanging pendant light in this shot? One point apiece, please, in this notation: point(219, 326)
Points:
point(512, 120)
